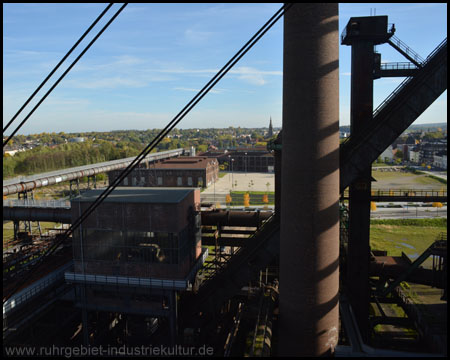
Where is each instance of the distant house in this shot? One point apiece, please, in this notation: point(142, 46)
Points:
point(10, 152)
point(414, 155)
point(77, 139)
point(440, 160)
point(388, 154)
point(425, 152)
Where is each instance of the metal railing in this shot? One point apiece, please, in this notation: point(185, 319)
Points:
point(410, 52)
point(398, 66)
point(390, 30)
point(404, 82)
point(394, 93)
point(405, 193)
point(34, 289)
point(252, 246)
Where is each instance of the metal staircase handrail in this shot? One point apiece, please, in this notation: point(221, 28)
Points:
point(394, 93)
point(443, 42)
point(403, 83)
point(383, 104)
point(269, 226)
point(406, 65)
point(436, 244)
point(407, 49)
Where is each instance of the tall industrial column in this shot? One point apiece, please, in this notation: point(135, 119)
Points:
point(309, 242)
point(359, 192)
point(362, 33)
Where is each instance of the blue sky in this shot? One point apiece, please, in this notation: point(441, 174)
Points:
point(151, 60)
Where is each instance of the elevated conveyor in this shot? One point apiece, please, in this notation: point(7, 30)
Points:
point(400, 109)
point(390, 119)
point(242, 267)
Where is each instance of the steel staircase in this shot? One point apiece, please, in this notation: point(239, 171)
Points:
point(239, 270)
point(406, 51)
point(439, 247)
point(394, 115)
point(390, 119)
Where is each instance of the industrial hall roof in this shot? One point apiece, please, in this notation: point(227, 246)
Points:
point(193, 162)
point(138, 195)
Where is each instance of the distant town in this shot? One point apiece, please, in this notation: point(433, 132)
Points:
point(421, 145)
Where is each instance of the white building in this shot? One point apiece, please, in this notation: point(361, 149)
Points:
point(388, 154)
point(414, 155)
point(440, 160)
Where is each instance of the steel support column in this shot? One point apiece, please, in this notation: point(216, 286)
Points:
point(360, 191)
point(173, 317)
point(277, 155)
point(309, 242)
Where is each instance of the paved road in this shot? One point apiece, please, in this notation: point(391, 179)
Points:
point(409, 212)
point(439, 174)
point(243, 181)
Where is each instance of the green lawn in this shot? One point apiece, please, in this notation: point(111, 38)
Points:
point(411, 237)
point(8, 229)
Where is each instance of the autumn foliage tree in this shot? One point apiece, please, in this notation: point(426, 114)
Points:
point(246, 199)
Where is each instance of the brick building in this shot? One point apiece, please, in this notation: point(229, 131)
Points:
point(194, 171)
point(257, 159)
point(135, 252)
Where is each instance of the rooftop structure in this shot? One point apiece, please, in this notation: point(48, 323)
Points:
point(194, 171)
point(137, 239)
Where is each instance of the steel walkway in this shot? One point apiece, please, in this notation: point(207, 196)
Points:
point(390, 119)
point(27, 183)
point(394, 115)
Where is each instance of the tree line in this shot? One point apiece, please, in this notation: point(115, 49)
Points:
point(45, 158)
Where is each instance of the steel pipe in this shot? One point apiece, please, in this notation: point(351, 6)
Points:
point(33, 182)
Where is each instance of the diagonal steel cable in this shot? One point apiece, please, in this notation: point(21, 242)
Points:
point(57, 66)
point(64, 74)
point(227, 67)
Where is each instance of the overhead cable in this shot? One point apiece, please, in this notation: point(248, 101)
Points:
point(227, 67)
point(181, 114)
point(64, 74)
point(57, 66)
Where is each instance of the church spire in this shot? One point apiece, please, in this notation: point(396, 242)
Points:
point(270, 133)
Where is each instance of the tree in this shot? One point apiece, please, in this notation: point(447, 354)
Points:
point(265, 200)
point(247, 199)
point(399, 154)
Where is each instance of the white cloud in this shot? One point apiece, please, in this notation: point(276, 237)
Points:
point(108, 83)
point(196, 37)
point(247, 74)
point(254, 76)
point(213, 91)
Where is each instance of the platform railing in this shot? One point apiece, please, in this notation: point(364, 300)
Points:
point(410, 52)
point(410, 193)
point(36, 203)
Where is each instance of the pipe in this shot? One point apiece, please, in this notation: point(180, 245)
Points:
point(234, 218)
point(309, 241)
point(60, 215)
point(16, 185)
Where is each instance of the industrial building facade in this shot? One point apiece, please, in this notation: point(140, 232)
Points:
point(257, 159)
point(136, 251)
point(193, 171)
point(138, 232)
